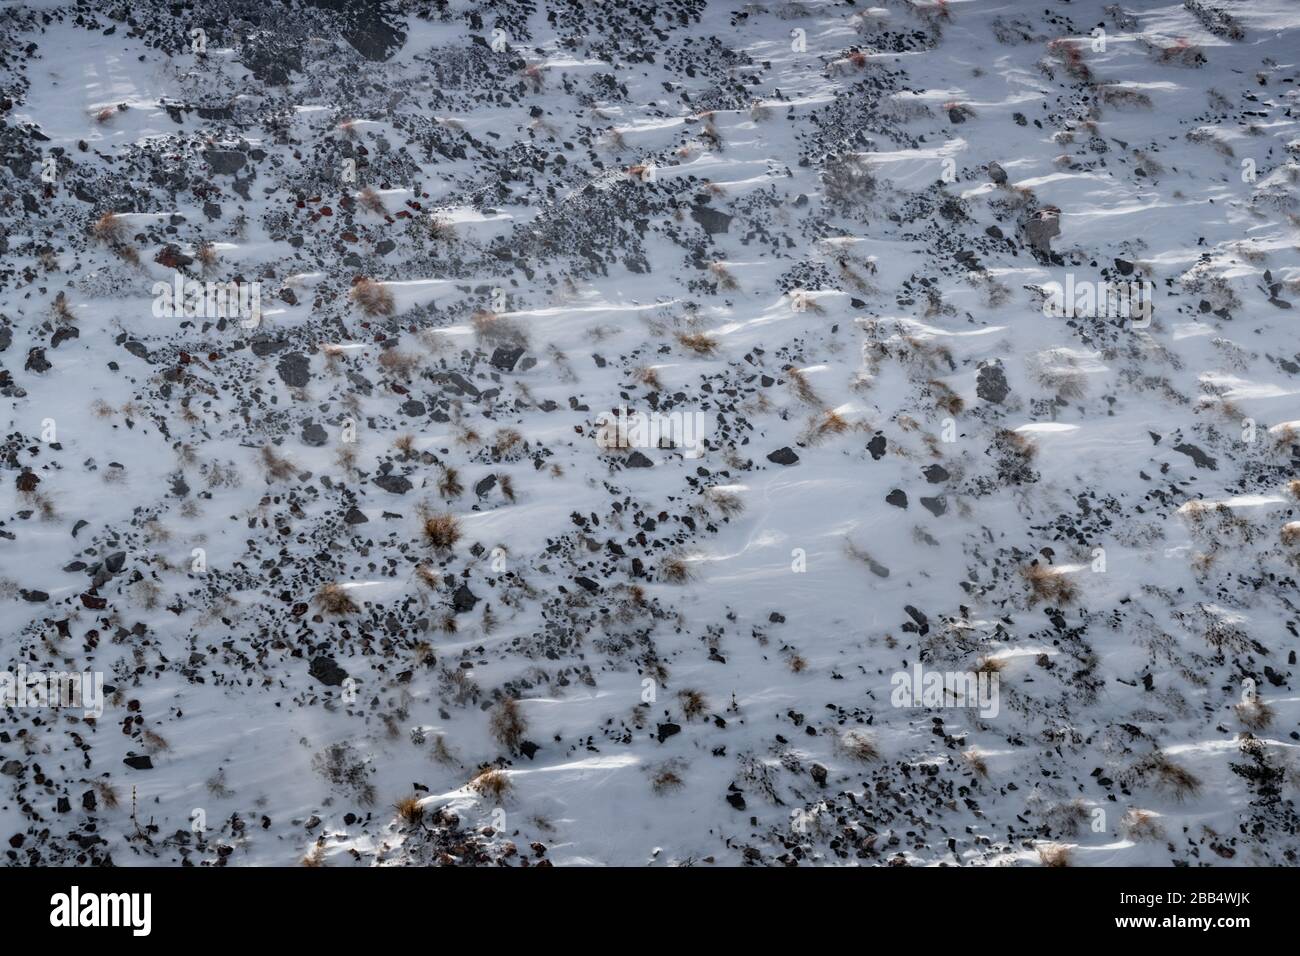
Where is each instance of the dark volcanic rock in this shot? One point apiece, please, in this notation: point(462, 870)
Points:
point(991, 382)
point(294, 369)
point(783, 456)
point(394, 484)
point(327, 671)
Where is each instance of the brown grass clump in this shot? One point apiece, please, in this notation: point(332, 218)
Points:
point(371, 297)
point(1255, 714)
point(405, 444)
point(369, 200)
point(277, 468)
point(401, 364)
point(800, 385)
point(410, 810)
point(316, 858)
point(1047, 584)
point(507, 724)
point(945, 398)
point(830, 423)
point(428, 576)
point(697, 342)
point(1294, 487)
point(1054, 855)
point(1142, 825)
point(332, 598)
point(694, 704)
point(727, 502)
point(496, 329)
point(1172, 778)
point(506, 440)
point(859, 746)
point(206, 254)
point(723, 276)
point(675, 569)
point(60, 312)
point(107, 794)
point(649, 377)
point(449, 485)
point(494, 784)
point(110, 230)
point(1291, 533)
point(666, 780)
point(441, 530)
point(975, 760)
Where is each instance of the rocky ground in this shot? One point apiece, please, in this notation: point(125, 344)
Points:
point(366, 587)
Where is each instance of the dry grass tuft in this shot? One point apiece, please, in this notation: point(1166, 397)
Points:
point(449, 484)
point(1047, 584)
point(697, 342)
point(694, 704)
point(1142, 825)
point(675, 568)
point(507, 724)
point(401, 364)
point(333, 598)
point(441, 530)
point(370, 200)
point(802, 388)
point(975, 760)
point(494, 784)
point(723, 276)
point(410, 810)
point(727, 501)
point(495, 329)
point(666, 780)
point(1255, 714)
point(1172, 778)
point(1054, 855)
point(371, 297)
point(859, 746)
point(277, 467)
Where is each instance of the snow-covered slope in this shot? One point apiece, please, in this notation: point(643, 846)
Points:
point(364, 582)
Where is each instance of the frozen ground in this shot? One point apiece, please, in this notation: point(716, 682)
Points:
point(825, 227)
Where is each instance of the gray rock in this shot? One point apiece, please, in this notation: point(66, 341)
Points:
point(505, 358)
point(313, 434)
point(783, 456)
point(224, 162)
point(714, 222)
point(1201, 459)
point(294, 369)
point(327, 671)
point(1042, 227)
point(936, 506)
point(997, 174)
point(991, 382)
point(394, 484)
point(463, 600)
